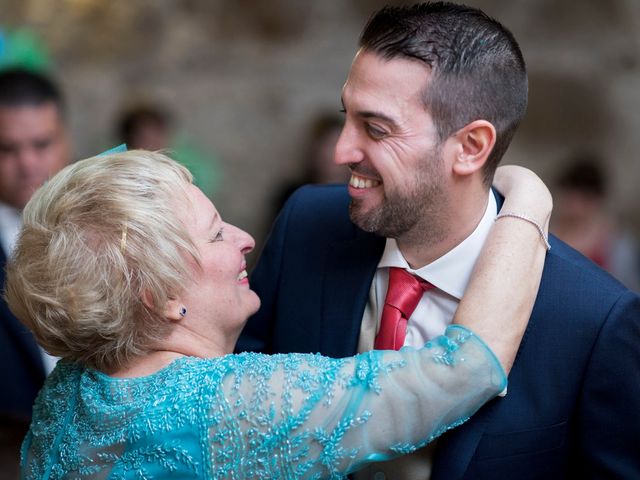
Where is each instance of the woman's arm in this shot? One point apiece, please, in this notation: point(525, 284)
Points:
point(505, 281)
point(308, 416)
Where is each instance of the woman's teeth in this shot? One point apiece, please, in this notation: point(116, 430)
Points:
point(242, 275)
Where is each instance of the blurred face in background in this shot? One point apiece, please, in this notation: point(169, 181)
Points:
point(33, 147)
point(150, 135)
point(323, 149)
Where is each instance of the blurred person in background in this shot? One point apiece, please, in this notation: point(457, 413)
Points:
point(583, 221)
point(145, 127)
point(316, 160)
point(34, 145)
point(149, 125)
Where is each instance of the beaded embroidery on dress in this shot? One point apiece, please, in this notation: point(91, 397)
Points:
point(254, 416)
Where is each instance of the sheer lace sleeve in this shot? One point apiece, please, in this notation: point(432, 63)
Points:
point(308, 416)
point(257, 416)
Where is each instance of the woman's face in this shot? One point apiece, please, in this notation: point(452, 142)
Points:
point(220, 291)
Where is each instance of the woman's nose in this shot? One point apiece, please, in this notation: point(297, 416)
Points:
point(243, 240)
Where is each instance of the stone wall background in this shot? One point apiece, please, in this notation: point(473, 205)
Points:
point(245, 77)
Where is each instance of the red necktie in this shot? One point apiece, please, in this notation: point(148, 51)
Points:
point(404, 294)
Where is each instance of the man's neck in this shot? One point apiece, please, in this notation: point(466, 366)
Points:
point(421, 247)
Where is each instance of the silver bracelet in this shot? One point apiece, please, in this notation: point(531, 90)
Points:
point(531, 221)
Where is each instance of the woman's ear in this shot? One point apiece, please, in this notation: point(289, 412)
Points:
point(475, 143)
point(174, 309)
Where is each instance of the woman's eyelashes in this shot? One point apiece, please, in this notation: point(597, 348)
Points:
point(218, 237)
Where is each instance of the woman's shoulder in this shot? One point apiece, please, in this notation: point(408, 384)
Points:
point(188, 382)
point(59, 389)
point(255, 365)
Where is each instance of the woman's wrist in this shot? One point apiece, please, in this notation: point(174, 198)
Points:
point(538, 209)
point(542, 229)
point(525, 194)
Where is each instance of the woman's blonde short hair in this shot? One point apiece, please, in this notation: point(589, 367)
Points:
point(97, 237)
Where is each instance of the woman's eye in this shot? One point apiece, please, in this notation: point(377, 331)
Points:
point(218, 236)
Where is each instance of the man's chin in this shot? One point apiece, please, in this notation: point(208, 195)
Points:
point(364, 219)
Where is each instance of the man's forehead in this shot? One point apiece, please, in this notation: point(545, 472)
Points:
point(373, 81)
point(29, 119)
point(42, 111)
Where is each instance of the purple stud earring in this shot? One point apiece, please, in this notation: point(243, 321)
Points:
point(183, 311)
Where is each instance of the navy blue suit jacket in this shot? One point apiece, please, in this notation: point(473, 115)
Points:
point(21, 368)
point(573, 405)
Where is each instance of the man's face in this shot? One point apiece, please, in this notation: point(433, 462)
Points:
point(389, 141)
point(33, 147)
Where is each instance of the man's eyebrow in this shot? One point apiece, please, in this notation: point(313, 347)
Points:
point(373, 114)
point(378, 115)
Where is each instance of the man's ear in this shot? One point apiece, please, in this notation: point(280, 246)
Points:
point(172, 310)
point(475, 143)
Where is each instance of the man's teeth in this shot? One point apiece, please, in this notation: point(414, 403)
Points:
point(242, 275)
point(360, 182)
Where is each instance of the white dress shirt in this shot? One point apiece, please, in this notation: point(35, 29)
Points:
point(10, 223)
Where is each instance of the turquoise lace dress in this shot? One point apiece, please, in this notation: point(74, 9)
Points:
point(254, 416)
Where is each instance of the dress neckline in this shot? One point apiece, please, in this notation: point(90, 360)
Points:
point(164, 371)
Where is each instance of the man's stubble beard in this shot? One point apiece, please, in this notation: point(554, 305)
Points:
point(419, 215)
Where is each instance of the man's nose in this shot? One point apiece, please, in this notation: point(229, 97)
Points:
point(348, 150)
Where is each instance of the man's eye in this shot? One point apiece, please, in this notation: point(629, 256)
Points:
point(6, 149)
point(376, 132)
point(42, 144)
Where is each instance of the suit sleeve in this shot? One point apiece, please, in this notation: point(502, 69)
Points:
point(610, 401)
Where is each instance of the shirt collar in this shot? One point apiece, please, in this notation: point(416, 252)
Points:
point(10, 222)
point(452, 271)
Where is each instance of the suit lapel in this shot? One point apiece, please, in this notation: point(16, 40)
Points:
point(499, 198)
point(350, 268)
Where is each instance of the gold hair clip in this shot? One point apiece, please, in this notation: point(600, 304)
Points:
point(123, 239)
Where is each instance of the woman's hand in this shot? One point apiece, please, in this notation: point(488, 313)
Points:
point(524, 193)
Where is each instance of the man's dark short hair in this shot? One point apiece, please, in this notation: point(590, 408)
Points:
point(20, 87)
point(477, 68)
